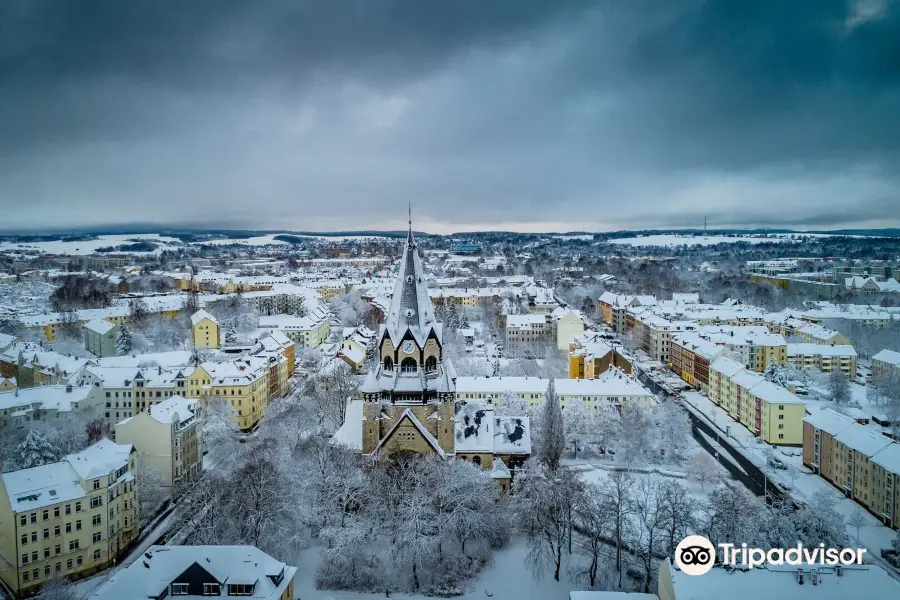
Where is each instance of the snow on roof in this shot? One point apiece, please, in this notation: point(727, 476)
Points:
point(820, 350)
point(889, 356)
point(818, 332)
point(150, 575)
point(350, 433)
point(37, 487)
point(200, 315)
point(100, 459)
point(889, 458)
point(512, 435)
point(774, 394)
point(48, 397)
point(727, 367)
point(165, 411)
point(610, 383)
point(473, 427)
point(699, 346)
point(408, 414)
point(100, 326)
point(499, 470)
point(747, 379)
point(779, 582)
point(173, 358)
point(863, 440)
point(595, 595)
point(829, 421)
point(526, 320)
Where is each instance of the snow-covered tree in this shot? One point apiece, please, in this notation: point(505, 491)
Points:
point(578, 423)
point(151, 488)
point(778, 374)
point(123, 341)
point(230, 335)
point(856, 520)
point(704, 470)
point(732, 513)
point(58, 589)
point(552, 430)
point(547, 502)
point(334, 389)
point(219, 426)
point(819, 522)
point(511, 404)
point(838, 387)
point(647, 528)
point(594, 521)
point(636, 432)
point(678, 515)
point(35, 451)
point(674, 430)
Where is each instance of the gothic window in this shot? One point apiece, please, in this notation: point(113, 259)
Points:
point(430, 364)
point(388, 363)
point(408, 365)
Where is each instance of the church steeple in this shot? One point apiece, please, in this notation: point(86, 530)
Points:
point(411, 308)
point(409, 237)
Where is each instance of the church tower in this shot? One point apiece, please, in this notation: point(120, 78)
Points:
point(409, 397)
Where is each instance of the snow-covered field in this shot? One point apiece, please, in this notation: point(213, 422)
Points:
point(90, 246)
point(693, 240)
point(269, 240)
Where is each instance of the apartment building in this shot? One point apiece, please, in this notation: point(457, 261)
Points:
point(309, 331)
point(659, 331)
point(568, 324)
point(528, 328)
point(47, 403)
point(243, 383)
point(614, 308)
point(167, 437)
point(100, 337)
point(757, 347)
point(824, 358)
point(195, 571)
point(767, 410)
point(67, 519)
point(466, 297)
point(822, 335)
point(589, 359)
point(885, 361)
point(612, 388)
point(690, 357)
point(857, 459)
point(205, 330)
point(128, 391)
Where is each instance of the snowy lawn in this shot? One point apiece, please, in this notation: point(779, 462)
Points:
point(506, 578)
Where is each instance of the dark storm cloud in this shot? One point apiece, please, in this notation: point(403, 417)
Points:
point(332, 115)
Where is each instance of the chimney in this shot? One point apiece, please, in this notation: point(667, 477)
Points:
point(800, 576)
point(68, 388)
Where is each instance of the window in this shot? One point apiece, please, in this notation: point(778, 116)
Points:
point(56, 530)
point(780, 436)
point(45, 515)
point(96, 484)
point(240, 589)
point(179, 589)
point(34, 517)
point(46, 533)
point(210, 589)
point(23, 520)
point(69, 564)
point(25, 559)
point(96, 501)
point(79, 560)
point(68, 509)
point(46, 570)
point(97, 537)
point(78, 525)
point(34, 536)
point(96, 520)
point(58, 567)
point(96, 555)
point(57, 549)
point(73, 545)
point(34, 556)
point(25, 576)
point(46, 552)
point(68, 528)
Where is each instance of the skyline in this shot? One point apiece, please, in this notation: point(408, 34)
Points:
point(529, 117)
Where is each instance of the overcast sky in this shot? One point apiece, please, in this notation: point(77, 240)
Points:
point(532, 115)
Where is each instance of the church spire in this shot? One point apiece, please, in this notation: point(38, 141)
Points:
point(409, 238)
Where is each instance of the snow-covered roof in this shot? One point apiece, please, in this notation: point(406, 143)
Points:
point(499, 470)
point(889, 458)
point(37, 487)
point(512, 435)
point(165, 411)
point(172, 358)
point(350, 433)
point(100, 459)
point(726, 366)
point(774, 394)
point(100, 326)
point(150, 575)
point(829, 421)
point(779, 582)
point(818, 332)
point(820, 350)
point(610, 383)
point(863, 440)
point(474, 427)
point(48, 397)
point(696, 344)
point(888, 356)
point(411, 309)
point(200, 315)
point(410, 415)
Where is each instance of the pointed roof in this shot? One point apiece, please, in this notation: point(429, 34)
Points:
point(408, 414)
point(411, 307)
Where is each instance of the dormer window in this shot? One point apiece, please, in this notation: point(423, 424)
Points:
point(240, 589)
point(211, 589)
point(409, 279)
point(180, 589)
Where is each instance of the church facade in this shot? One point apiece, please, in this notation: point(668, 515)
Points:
point(408, 402)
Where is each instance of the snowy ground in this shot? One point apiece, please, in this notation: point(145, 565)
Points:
point(90, 246)
point(693, 240)
point(507, 578)
point(269, 240)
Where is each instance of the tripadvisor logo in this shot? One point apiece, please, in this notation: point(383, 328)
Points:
point(696, 555)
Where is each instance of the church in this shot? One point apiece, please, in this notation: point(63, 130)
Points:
point(408, 402)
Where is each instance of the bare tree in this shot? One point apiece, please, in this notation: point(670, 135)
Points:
point(648, 525)
point(677, 510)
point(838, 387)
point(595, 521)
point(334, 390)
point(617, 495)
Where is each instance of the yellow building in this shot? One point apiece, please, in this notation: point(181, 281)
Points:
point(589, 360)
point(205, 330)
point(822, 335)
point(67, 519)
point(768, 410)
point(242, 383)
point(823, 357)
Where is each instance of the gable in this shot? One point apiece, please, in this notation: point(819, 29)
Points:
point(408, 433)
point(195, 576)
